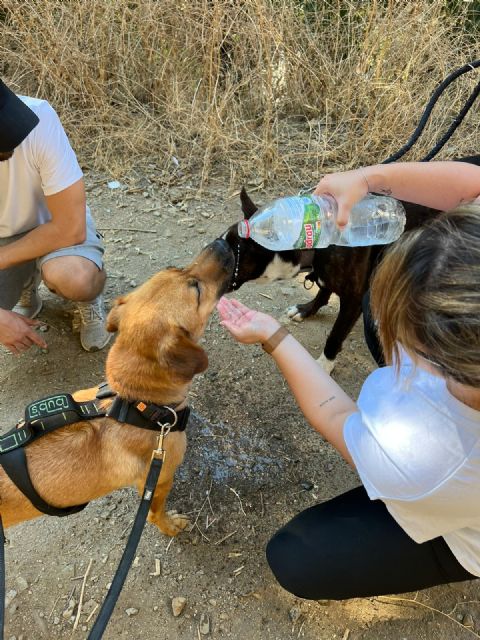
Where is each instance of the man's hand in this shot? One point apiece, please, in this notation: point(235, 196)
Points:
point(17, 333)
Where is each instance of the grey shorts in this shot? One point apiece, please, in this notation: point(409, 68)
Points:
point(12, 280)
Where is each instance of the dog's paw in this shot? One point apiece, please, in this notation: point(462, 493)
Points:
point(171, 524)
point(326, 364)
point(295, 314)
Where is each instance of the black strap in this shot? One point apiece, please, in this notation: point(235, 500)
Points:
point(129, 553)
point(147, 415)
point(15, 465)
point(15, 438)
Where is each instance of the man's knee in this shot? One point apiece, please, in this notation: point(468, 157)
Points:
point(73, 278)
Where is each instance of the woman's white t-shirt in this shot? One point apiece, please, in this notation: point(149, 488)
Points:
point(42, 165)
point(417, 448)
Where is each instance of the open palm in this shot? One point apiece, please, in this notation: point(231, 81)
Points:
point(245, 324)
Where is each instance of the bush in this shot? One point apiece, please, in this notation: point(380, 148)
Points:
point(258, 88)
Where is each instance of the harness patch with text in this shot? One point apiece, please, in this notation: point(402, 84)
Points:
point(50, 406)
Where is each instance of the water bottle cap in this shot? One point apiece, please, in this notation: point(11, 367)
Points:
point(244, 229)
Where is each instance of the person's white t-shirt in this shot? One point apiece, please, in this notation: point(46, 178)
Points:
point(42, 165)
point(417, 448)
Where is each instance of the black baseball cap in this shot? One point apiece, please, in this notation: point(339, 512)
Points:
point(16, 119)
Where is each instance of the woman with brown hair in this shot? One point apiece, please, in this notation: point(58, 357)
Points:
point(414, 434)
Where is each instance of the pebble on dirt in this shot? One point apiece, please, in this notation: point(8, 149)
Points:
point(178, 605)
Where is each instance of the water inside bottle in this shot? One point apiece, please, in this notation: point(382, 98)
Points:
point(379, 226)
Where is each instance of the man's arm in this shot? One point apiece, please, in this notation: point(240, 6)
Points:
point(66, 228)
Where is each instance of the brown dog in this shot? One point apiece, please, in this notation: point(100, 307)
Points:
point(154, 358)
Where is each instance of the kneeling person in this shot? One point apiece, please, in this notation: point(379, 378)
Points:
point(46, 230)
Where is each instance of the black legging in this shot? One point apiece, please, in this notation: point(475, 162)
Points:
point(351, 546)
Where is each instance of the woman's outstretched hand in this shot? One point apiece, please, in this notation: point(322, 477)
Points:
point(245, 325)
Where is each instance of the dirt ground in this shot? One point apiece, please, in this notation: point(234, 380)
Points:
point(252, 463)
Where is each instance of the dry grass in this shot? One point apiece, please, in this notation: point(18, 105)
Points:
point(254, 87)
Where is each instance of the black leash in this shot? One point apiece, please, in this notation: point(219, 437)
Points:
point(132, 544)
point(470, 66)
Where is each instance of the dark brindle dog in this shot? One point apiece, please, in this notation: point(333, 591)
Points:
point(344, 271)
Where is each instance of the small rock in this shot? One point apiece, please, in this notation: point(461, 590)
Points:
point(56, 620)
point(43, 328)
point(294, 614)
point(22, 584)
point(467, 620)
point(178, 605)
point(132, 283)
point(204, 625)
point(307, 485)
point(9, 597)
point(213, 602)
point(114, 184)
point(131, 611)
point(68, 613)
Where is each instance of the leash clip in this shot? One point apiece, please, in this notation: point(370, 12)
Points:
point(165, 428)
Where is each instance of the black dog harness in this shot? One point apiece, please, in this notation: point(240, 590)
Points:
point(53, 412)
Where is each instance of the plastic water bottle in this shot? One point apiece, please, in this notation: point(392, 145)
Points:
point(309, 222)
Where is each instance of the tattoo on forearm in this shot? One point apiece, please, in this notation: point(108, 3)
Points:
point(327, 400)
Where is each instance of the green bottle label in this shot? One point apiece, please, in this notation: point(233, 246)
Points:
point(311, 227)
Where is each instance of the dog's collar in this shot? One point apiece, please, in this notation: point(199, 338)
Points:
point(146, 415)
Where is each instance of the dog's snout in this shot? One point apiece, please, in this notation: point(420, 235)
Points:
point(222, 249)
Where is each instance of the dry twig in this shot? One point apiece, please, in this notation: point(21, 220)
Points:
point(80, 602)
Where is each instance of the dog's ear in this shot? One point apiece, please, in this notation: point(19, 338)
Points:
point(248, 206)
point(187, 358)
point(113, 318)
